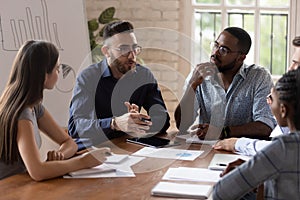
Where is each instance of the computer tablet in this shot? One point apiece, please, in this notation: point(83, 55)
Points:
point(152, 141)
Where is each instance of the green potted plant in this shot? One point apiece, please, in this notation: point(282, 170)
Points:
point(95, 27)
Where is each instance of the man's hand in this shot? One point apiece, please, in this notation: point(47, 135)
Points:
point(205, 131)
point(201, 72)
point(226, 144)
point(198, 129)
point(231, 166)
point(132, 107)
point(133, 123)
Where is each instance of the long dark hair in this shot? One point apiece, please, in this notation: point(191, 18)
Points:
point(24, 88)
point(288, 89)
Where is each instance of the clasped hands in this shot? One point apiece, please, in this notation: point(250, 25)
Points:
point(133, 122)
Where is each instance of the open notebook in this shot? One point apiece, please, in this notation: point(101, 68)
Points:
point(181, 190)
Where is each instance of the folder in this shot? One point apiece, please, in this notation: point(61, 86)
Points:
point(181, 190)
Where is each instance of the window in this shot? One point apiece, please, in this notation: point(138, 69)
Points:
point(267, 22)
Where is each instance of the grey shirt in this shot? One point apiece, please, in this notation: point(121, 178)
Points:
point(18, 166)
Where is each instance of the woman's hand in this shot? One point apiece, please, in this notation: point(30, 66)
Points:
point(95, 156)
point(55, 155)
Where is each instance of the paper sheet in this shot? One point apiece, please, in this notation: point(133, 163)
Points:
point(179, 154)
point(122, 169)
point(220, 161)
point(194, 139)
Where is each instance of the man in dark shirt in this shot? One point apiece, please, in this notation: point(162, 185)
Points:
point(109, 95)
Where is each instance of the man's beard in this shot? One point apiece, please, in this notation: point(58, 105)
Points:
point(119, 66)
point(227, 67)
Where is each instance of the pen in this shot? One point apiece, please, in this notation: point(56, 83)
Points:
point(145, 120)
point(221, 164)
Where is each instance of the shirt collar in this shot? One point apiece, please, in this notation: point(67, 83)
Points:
point(243, 70)
point(106, 72)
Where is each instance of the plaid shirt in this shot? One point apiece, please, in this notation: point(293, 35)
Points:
point(277, 165)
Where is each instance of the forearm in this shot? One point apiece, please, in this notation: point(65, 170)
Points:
point(52, 169)
point(252, 130)
point(184, 112)
point(68, 148)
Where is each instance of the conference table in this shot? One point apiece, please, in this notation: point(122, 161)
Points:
point(148, 173)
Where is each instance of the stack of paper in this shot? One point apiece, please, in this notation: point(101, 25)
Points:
point(192, 174)
point(181, 190)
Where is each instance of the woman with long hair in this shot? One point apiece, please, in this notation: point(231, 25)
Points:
point(22, 116)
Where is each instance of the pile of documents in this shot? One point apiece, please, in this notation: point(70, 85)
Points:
point(186, 190)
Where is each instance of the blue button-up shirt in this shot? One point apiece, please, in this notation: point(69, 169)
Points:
point(98, 96)
point(243, 102)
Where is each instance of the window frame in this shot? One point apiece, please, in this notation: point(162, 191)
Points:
point(293, 28)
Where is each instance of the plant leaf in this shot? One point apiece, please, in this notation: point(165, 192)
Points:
point(93, 25)
point(107, 15)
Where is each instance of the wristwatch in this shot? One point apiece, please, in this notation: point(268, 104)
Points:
point(225, 132)
point(113, 124)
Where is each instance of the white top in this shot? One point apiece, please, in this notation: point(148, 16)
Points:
point(250, 147)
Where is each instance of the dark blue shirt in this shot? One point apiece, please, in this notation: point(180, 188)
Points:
point(98, 96)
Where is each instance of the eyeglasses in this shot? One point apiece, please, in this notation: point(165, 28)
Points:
point(269, 99)
point(222, 50)
point(125, 50)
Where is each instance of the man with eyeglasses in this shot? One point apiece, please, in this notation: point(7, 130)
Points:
point(231, 102)
point(250, 147)
point(108, 96)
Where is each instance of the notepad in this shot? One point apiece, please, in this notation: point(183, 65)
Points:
point(116, 158)
point(220, 161)
point(181, 190)
point(192, 174)
point(195, 139)
point(94, 170)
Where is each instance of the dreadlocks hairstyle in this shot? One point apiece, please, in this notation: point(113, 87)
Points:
point(288, 89)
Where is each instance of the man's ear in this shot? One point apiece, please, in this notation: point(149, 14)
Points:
point(104, 50)
point(242, 57)
point(283, 111)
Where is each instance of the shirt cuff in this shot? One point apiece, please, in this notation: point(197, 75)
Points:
point(242, 143)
